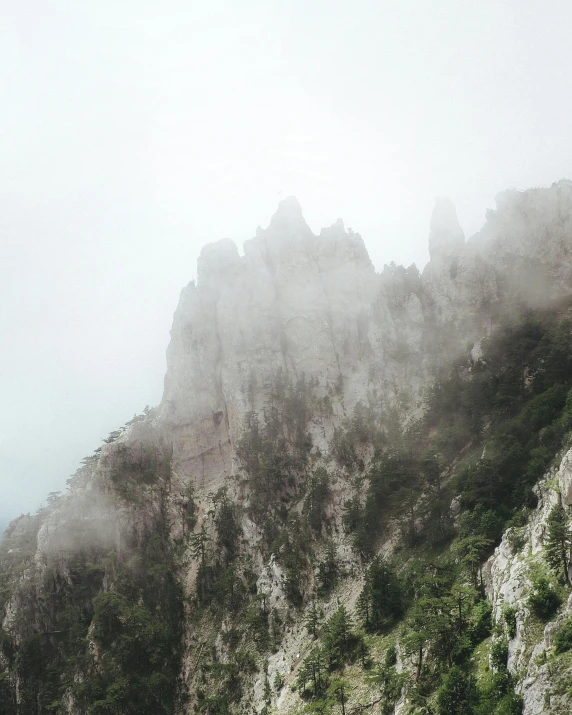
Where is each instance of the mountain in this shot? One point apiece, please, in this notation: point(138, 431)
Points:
point(353, 495)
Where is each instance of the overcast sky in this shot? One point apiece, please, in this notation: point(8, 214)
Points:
point(133, 132)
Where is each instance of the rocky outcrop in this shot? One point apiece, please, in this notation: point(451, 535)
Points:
point(298, 304)
point(543, 682)
point(527, 237)
point(295, 304)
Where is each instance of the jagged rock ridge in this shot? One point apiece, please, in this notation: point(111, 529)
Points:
point(303, 308)
point(314, 306)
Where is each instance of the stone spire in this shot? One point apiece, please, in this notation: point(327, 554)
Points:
point(446, 239)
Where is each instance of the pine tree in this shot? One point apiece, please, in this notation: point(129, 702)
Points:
point(458, 694)
point(328, 570)
point(338, 690)
point(267, 688)
point(198, 543)
point(313, 619)
point(338, 637)
point(363, 605)
point(473, 550)
point(559, 541)
point(380, 602)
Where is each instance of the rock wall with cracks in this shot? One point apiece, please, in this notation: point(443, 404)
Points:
point(312, 305)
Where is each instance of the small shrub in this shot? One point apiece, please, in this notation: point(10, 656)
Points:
point(516, 538)
point(510, 704)
point(481, 621)
point(499, 655)
point(509, 616)
point(390, 656)
point(563, 637)
point(543, 601)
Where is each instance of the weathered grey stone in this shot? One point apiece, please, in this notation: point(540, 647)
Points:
point(300, 304)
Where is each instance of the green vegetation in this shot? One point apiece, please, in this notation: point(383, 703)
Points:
point(100, 627)
point(458, 695)
point(510, 413)
point(137, 631)
point(559, 541)
point(340, 644)
point(563, 637)
point(357, 432)
point(380, 603)
point(137, 645)
point(544, 600)
point(274, 454)
point(105, 626)
point(131, 467)
point(317, 494)
point(509, 616)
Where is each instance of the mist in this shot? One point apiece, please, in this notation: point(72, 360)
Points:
point(134, 134)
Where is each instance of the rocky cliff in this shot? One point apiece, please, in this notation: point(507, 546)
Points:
point(511, 574)
point(311, 305)
point(293, 369)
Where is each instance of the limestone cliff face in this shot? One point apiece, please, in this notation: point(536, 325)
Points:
point(543, 685)
point(295, 303)
point(313, 306)
point(528, 239)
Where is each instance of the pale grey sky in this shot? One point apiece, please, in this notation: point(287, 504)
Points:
point(133, 132)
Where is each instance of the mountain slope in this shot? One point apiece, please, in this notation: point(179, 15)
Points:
point(303, 521)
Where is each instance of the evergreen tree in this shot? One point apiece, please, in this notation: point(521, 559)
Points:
point(339, 689)
point(338, 638)
point(313, 619)
point(458, 695)
point(328, 570)
point(559, 541)
point(381, 600)
point(318, 491)
point(389, 682)
point(563, 637)
point(198, 543)
point(473, 550)
point(415, 638)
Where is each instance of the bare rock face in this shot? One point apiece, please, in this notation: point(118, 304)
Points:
point(565, 480)
point(509, 584)
point(527, 238)
point(312, 307)
point(446, 240)
point(295, 303)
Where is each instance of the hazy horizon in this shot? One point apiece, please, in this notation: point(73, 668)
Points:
point(133, 135)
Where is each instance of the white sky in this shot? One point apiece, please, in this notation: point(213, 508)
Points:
point(133, 132)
